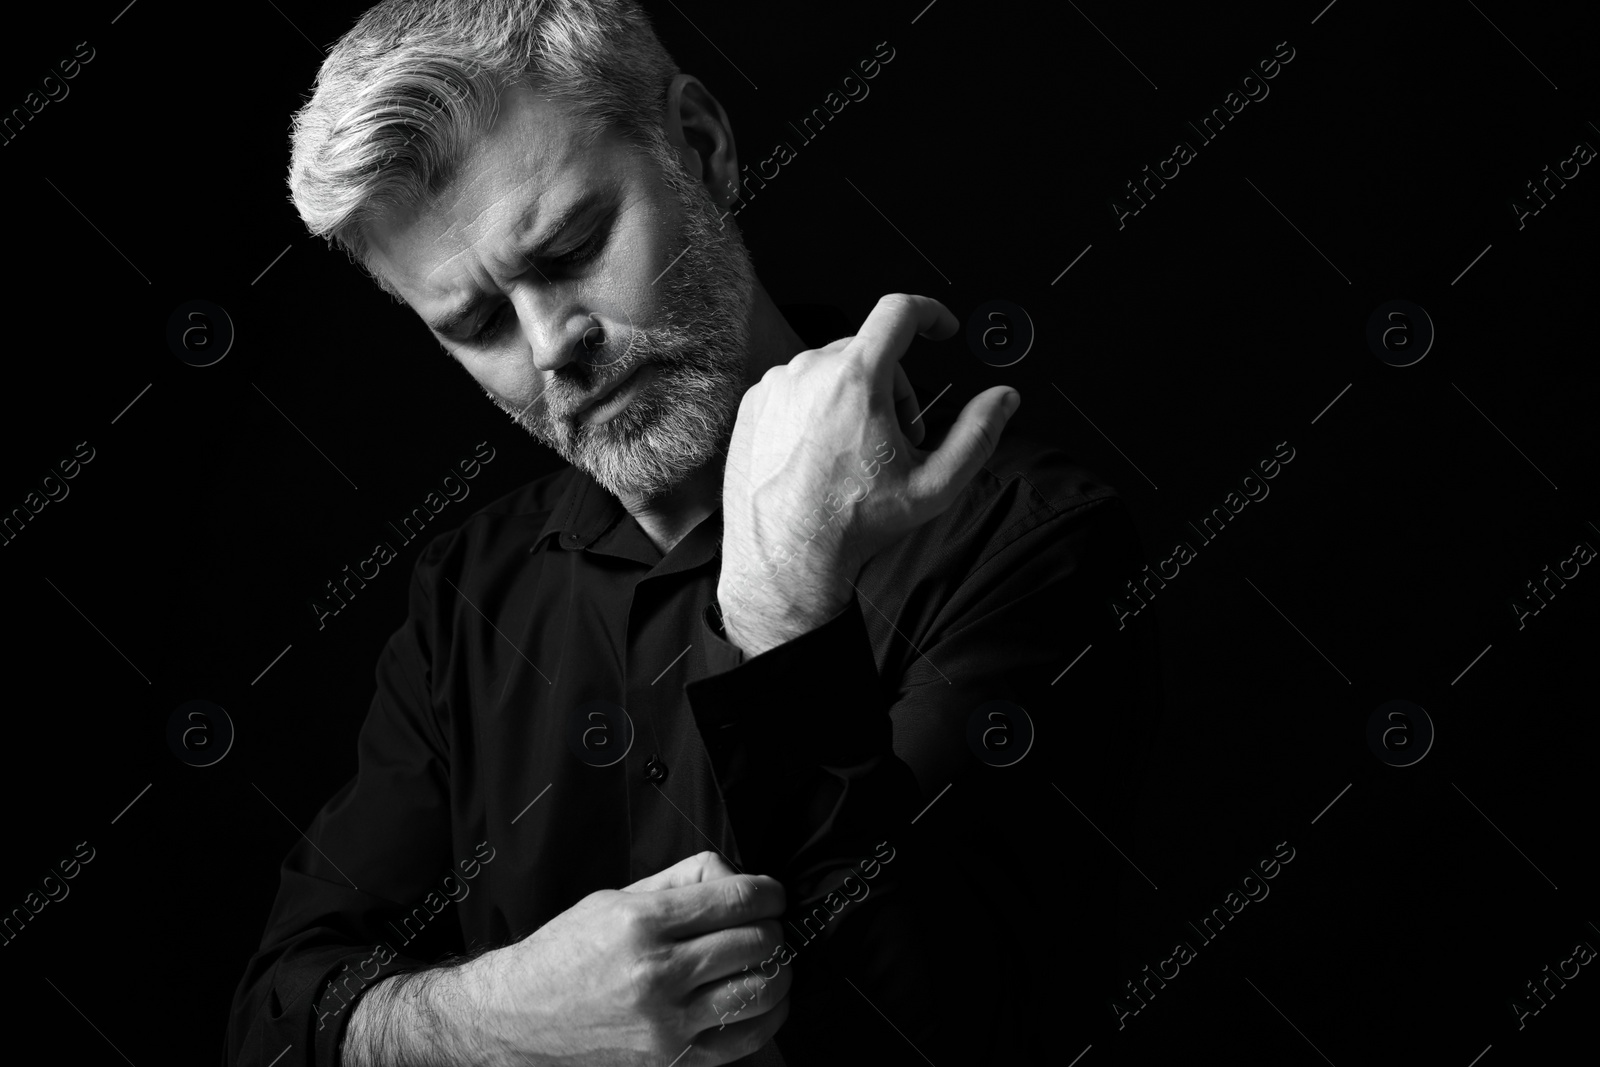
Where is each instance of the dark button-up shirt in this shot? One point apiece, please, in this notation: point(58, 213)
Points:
point(497, 782)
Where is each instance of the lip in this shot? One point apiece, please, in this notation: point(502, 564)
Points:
point(600, 399)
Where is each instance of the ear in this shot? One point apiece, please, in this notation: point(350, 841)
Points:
point(698, 127)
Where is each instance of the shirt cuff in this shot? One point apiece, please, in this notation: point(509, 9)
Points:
point(816, 699)
point(313, 1020)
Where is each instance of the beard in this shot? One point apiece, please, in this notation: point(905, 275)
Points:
point(677, 423)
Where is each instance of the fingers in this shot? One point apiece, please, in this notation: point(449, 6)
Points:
point(905, 397)
point(701, 867)
point(966, 448)
point(725, 953)
point(738, 1037)
point(686, 911)
point(887, 333)
point(907, 408)
point(883, 340)
point(738, 998)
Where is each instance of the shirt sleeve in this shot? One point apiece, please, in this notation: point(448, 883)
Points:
point(834, 777)
point(354, 891)
point(806, 721)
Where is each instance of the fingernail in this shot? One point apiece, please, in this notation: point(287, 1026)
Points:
point(1010, 402)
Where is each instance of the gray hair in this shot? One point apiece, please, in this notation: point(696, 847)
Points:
point(401, 97)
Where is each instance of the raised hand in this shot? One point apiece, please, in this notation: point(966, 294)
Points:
point(822, 472)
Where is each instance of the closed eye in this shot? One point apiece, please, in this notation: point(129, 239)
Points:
point(578, 256)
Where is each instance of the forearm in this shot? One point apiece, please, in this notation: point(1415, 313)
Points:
point(432, 1018)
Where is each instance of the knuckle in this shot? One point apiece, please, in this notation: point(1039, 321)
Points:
point(849, 376)
point(758, 990)
point(649, 975)
point(616, 901)
point(741, 893)
point(635, 914)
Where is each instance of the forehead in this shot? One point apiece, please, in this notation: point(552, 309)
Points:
point(528, 164)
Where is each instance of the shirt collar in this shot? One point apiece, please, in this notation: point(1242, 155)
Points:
point(582, 513)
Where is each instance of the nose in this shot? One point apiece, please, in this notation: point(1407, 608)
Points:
point(557, 329)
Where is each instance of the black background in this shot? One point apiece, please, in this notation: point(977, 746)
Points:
point(1196, 338)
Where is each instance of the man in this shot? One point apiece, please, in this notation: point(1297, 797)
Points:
point(641, 779)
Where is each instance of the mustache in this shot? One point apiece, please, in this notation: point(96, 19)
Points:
point(581, 395)
point(570, 386)
point(669, 349)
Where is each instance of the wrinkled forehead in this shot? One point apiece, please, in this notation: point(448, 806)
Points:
point(530, 161)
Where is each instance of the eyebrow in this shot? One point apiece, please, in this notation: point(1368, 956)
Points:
point(449, 321)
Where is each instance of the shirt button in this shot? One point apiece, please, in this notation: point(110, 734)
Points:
point(655, 770)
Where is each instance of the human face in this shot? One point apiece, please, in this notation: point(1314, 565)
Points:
point(644, 283)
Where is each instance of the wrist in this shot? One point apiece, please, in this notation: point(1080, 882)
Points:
point(756, 625)
point(475, 985)
point(423, 1018)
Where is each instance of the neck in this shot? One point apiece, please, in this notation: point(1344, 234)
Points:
point(668, 518)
